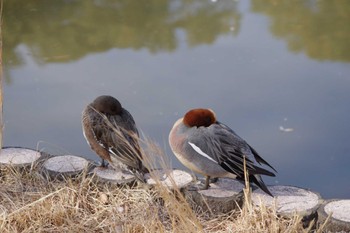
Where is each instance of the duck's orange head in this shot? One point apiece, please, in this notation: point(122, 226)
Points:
point(199, 117)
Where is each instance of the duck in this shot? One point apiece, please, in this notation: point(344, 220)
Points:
point(111, 132)
point(210, 148)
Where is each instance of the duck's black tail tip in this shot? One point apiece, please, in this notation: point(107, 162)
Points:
point(256, 179)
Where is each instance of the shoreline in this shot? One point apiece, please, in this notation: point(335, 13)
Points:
point(292, 201)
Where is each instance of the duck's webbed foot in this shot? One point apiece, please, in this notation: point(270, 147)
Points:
point(104, 164)
point(213, 180)
point(199, 187)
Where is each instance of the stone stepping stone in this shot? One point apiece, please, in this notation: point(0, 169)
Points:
point(340, 215)
point(65, 166)
point(290, 200)
point(113, 176)
point(18, 157)
point(169, 178)
point(221, 197)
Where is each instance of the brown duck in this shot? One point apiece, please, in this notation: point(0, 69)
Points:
point(111, 132)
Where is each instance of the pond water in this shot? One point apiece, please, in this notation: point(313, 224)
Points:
point(277, 72)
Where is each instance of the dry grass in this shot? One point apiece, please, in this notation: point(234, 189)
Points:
point(30, 203)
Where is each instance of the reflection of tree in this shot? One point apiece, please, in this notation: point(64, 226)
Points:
point(60, 31)
point(320, 28)
point(203, 22)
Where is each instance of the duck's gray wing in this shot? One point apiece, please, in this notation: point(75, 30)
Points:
point(244, 144)
point(227, 149)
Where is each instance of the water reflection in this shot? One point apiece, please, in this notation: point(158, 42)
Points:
point(320, 28)
point(56, 32)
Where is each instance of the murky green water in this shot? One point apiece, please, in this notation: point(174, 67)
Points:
point(263, 66)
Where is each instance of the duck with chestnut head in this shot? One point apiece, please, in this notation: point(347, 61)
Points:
point(210, 148)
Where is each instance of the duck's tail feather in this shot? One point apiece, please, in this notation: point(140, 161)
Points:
point(256, 179)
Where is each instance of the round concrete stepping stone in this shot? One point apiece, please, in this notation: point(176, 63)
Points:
point(169, 178)
point(221, 197)
point(340, 215)
point(18, 157)
point(113, 176)
point(290, 200)
point(65, 165)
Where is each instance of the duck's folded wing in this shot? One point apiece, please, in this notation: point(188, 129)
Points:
point(125, 146)
point(227, 149)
